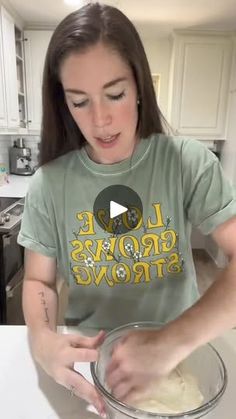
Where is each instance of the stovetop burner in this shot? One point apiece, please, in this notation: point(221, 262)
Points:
point(5, 202)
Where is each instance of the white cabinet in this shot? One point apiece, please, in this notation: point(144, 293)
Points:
point(8, 68)
point(199, 86)
point(21, 89)
point(36, 44)
point(3, 107)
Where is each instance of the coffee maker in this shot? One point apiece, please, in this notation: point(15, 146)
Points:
point(20, 158)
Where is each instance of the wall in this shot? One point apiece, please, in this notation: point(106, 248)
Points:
point(4, 145)
point(159, 55)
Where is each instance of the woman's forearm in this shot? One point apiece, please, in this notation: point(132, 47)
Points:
point(40, 305)
point(213, 313)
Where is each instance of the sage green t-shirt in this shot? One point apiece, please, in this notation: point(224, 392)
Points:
point(147, 274)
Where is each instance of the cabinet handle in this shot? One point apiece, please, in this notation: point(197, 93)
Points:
point(29, 121)
point(25, 39)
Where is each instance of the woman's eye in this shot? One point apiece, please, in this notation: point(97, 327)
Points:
point(116, 97)
point(80, 104)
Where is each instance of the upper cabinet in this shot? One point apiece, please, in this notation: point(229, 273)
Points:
point(12, 76)
point(3, 105)
point(11, 120)
point(21, 87)
point(199, 85)
point(36, 44)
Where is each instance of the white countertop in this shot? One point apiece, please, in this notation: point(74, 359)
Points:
point(16, 188)
point(26, 392)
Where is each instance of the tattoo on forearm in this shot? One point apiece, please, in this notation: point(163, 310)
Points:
point(44, 304)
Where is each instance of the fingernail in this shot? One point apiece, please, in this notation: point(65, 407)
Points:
point(102, 412)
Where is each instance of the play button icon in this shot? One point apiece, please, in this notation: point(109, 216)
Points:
point(118, 209)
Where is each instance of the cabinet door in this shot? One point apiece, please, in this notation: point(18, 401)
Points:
point(10, 73)
point(3, 108)
point(200, 85)
point(36, 44)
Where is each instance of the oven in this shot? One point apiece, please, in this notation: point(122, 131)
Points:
point(11, 261)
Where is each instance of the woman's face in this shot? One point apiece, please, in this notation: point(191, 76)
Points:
point(101, 95)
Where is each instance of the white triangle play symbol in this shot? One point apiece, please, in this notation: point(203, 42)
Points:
point(116, 209)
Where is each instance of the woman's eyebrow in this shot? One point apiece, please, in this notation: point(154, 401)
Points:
point(109, 84)
point(112, 82)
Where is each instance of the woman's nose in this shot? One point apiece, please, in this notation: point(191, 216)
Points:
point(101, 115)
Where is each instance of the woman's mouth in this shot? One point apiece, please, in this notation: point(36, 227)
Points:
point(108, 141)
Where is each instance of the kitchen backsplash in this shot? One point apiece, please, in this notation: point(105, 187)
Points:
point(7, 141)
point(4, 153)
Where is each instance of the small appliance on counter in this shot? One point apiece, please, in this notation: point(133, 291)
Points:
point(20, 158)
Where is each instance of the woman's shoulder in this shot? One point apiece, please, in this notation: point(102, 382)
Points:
point(57, 166)
point(176, 142)
point(167, 141)
point(50, 175)
point(61, 162)
point(188, 149)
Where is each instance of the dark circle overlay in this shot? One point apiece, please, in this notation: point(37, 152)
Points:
point(123, 223)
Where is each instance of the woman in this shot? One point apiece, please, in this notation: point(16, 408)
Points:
point(102, 127)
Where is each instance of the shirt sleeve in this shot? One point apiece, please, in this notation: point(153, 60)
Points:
point(209, 197)
point(37, 232)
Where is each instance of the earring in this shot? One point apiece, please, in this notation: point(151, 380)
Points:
point(138, 102)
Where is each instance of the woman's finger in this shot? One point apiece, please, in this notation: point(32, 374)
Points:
point(122, 390)
point(114, 378)
point(73, 355)
point(80, 387)
point(133, 396)
point(79, 341)
point(112, 366)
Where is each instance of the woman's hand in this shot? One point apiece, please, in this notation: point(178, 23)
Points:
point(140, 358)
point(57, 353)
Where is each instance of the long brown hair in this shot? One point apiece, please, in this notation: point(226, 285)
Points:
point(81, 29)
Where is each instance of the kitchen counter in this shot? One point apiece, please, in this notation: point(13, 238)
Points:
point(26, 392)
point(16, 188)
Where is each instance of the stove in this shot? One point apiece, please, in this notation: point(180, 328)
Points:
point(5, 202)
point(11, 257)
point(11, 210)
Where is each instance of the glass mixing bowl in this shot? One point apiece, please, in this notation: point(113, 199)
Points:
point(205, 364)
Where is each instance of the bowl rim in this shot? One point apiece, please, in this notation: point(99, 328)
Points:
point(207, 405)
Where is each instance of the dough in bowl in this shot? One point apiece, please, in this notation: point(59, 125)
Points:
point(177, 393)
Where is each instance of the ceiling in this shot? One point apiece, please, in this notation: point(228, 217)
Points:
point(159, 17)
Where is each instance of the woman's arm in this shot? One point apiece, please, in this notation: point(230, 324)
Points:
point(164, 349)
point(40, 299)
point(56, 353)
point(215, 311)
